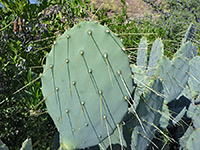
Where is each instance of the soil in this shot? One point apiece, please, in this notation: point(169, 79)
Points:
point(135, 8)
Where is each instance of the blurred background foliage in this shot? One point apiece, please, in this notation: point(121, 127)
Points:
point(27, 32)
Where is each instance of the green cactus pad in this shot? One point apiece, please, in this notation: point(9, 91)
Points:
point(193, 141)
point(116, 138)
point(135, 138)
point(194, 113)
point(142, 54)
point(27, 145)
point(85, 80)
point(156, 54)
point(3, 146)
point(188, 50)
point(173, 75)
point(144, 71)
point(194, 76)
point(164, 119)
point(179, 116)
point(190, 34)
point(148, 110)
point(186, 92)
point(183, 140)
point(190, 140)
point(142, 81)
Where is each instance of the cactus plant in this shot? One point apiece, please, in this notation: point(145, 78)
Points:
point(173, 74)
point(155, 56)
point(177, 109)
point(188, 50)
point(179, 116)
point(190, 140)
point(3, 146)
point(148, 110)
point(134, 134)
point(87, 86)
point(193, 141)
point(183, 140)
point(144, 70)
point(142, 54)
point(116, 138)
point(189, 36)
point(194, 79)
point(167, 70)
point(85, 80)
point(194, 113)
point(27, 145)
point(164, 119)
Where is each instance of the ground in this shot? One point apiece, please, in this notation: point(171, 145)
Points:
point(135, 8)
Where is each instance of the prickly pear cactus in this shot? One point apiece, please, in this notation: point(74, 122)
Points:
point(27, 145)
point(144, 70)
point(85, 81)
point(189, 36)
point(164, 119)
point(3, 146)
point(148, 110)
point(192, 90)
point(194, 113)
point(142, 54)
point(188, 50)
point(183, 140)
point(116, 138)
point(194, 79)
point(190, 140)
point(174, 73)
